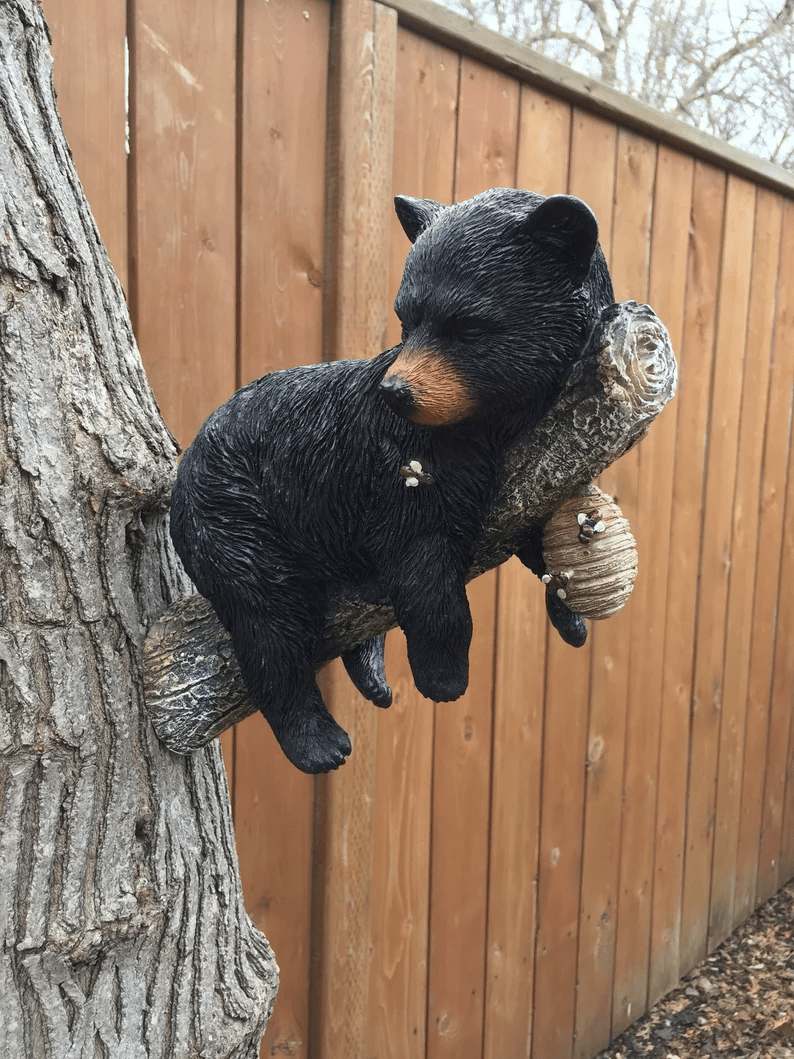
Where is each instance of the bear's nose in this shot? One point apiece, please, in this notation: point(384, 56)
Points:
point(397, 394)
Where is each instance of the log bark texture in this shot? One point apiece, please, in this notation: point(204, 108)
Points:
point(123, 927)
point(194, 689)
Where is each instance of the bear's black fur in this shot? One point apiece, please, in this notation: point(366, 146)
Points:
point(302, 482)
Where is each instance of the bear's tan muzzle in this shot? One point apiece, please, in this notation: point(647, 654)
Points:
point(423, 388)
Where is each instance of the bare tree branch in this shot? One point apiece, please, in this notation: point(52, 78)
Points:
point(726, 69)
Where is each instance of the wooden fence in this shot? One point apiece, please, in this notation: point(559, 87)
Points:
point(522, 872)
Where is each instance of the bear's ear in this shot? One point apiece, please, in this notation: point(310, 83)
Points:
point(566, 229)
point(416, 214)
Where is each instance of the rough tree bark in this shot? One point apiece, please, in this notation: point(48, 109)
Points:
point(194, 689)
point(123, 927)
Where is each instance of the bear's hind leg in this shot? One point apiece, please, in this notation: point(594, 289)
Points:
point(364, 665)
point(276, 666)
point(308, 734)
point(437, 624)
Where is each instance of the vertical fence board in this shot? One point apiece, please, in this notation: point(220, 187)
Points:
point(666, 293)
point(359, 169)
point(183, 110)
point(592, 170)
point(565, 728)
point(559, 872)
point(515, 812)
point(543, 143)
point(486, 154)
point(622, 672)
point(281, 241)
point(695, 358)
point(708, 689)
point(282, 184)
point(768, 583)
point(744, 544)
point(356, 311)
point(609, 657)
point(427, 86)
point(400, 868)
point(273, 817)
point(544, 135)
point(778, 761)
point(459, 870)
point(88, 38)
point(786, 863)
point(784, 349)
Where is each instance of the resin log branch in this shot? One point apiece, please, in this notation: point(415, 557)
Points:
point(193, 686)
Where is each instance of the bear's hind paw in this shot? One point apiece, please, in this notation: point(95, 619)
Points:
point(364, 665)
point(440, 687)
point(314, 742)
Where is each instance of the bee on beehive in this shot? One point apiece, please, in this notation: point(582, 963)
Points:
point(590, 555)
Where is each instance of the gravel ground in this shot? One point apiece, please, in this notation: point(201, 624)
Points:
point(737, 1004)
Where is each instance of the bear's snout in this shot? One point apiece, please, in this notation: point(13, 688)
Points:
point(426, 389)
point(397, 394)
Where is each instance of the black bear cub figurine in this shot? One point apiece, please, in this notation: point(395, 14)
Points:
point(381, 472)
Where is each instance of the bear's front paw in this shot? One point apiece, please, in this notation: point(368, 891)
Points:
point(313, 741)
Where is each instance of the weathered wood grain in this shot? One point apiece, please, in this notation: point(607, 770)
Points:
point(427, 88)
point(714, 574)
point(282, 219)
point(667, 288)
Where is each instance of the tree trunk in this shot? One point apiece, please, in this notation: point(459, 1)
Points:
point(123, 926)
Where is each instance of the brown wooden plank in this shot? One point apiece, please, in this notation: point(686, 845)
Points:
point(487, 130)
point(544, 142)
point(592, 170)
point(282, 183)
point(273, 805)
point(787, 848)
point(624, 782)
point(608, 671)
point(282, 224)
point(568, 673)
point(424, 135)
point(425, 128)
point(339, 1001)
point(515, 812)
point(666, 293)
point(486, 155)
point(90, 80)
point(764, 618)
point(544, 136)
point(356, 310)
point(559, 872)
point(708, 688)
point(359, 171)
point(400, 913)
point(459, 869)
point(744, 551)
point(695, 356)
point(182, 127)
point(777, 840)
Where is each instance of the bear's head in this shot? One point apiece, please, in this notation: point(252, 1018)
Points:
point(498, 297)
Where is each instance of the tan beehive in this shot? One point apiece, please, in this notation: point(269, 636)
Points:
point(590, 555)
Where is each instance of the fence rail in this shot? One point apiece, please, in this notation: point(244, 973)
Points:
point(522, 872)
